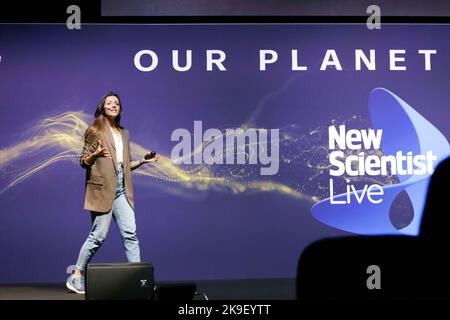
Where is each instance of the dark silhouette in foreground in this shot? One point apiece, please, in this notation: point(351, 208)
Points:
point(409, 267)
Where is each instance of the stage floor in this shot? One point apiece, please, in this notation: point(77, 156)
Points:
point(251, 289)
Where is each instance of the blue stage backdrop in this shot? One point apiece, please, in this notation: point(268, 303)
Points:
point(271, 137)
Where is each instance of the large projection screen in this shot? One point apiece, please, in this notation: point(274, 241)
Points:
point(253, 122)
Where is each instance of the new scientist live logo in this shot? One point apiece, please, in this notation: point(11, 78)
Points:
point(370, 165)
point(409, 147)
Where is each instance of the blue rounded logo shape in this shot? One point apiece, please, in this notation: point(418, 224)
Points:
point(404, 129)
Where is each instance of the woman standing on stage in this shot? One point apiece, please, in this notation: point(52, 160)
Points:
point(109, 189)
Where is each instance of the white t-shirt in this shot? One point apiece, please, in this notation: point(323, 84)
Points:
point(119, 145)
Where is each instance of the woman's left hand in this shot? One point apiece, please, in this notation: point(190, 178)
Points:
point(154, 159)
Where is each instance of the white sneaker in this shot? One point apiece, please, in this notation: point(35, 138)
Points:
point(75, 284)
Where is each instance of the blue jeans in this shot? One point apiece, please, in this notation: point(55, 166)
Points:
point(123, 214)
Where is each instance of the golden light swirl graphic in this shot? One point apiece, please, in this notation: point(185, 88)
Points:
point(303, 175)
point(61, 135)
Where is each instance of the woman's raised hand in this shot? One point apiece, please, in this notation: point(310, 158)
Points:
point(101, 151)
point(156, 158)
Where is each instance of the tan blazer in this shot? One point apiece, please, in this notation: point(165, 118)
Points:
point(101, 177)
